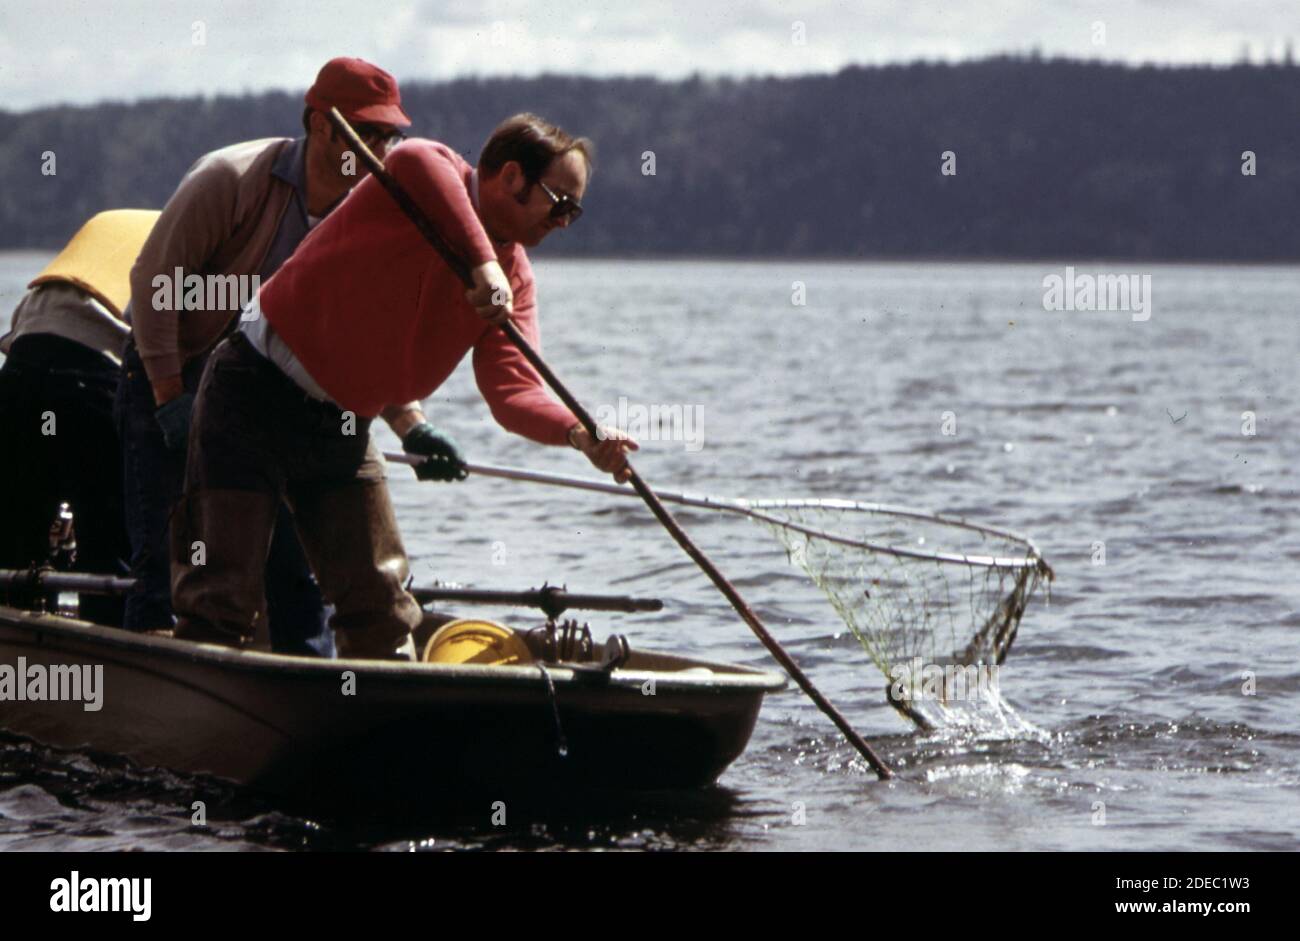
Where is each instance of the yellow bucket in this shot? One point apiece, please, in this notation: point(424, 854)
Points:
point(483, 642)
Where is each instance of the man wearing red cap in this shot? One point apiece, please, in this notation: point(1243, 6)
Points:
point(239, 211)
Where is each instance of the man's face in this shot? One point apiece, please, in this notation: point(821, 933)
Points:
point(380, 138)
point(531, 219)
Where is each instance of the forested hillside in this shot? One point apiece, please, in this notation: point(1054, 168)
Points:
point(1053, 159)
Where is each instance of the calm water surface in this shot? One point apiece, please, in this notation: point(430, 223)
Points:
point(1077, 428)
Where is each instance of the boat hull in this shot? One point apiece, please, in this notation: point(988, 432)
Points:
point(363, 731)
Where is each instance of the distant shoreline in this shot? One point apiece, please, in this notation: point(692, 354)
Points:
point(996, 161)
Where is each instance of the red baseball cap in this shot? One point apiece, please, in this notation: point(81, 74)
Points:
point(361, 91)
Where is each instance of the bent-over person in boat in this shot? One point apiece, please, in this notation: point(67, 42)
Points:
point(233, 220)
point(365, 315)
point(63, 358)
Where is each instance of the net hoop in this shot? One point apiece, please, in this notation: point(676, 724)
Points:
point(1032, 558)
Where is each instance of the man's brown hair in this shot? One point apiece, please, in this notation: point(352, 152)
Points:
point(533, 143)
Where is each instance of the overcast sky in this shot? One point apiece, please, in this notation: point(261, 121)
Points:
point(80, 51)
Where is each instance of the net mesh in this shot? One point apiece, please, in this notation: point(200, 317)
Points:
point(925, 596)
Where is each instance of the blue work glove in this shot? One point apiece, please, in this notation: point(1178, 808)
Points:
point(445, 462)
point(173, 417)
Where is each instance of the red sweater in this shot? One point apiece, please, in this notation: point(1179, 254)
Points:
point(377, 318)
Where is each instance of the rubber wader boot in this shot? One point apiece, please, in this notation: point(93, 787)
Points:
point(349, 533)
point(220, 539)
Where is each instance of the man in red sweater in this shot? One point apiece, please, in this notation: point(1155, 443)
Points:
point(365, 316)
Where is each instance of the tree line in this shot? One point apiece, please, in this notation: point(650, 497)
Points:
point(1044, 159)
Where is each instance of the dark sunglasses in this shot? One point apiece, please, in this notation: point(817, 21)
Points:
point(379, 134)
point(562, 206)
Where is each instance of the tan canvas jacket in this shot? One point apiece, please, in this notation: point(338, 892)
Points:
point(222, 219)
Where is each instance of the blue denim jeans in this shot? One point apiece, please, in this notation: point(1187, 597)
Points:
point(153, 477)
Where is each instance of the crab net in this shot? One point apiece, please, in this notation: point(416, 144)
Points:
point(934, 601)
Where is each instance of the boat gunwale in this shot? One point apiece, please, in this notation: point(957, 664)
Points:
point(735, 679)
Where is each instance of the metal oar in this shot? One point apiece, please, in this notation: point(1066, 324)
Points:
point(551, 599)
point(457, 265)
